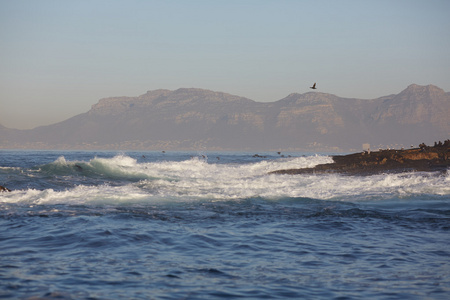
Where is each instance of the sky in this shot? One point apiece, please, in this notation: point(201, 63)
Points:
point(58, 58)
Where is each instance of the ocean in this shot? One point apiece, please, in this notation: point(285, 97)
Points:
point(214, 225)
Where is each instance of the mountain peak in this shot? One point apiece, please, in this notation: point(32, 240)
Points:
point(420, 89)
point(309, 97)
point(192, 90)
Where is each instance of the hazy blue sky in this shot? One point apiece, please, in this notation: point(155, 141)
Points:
point(57, 58)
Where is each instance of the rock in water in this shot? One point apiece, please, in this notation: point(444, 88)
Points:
point(426, 159)
point(3, 189)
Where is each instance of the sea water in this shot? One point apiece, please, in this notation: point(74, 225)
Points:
point(204, 225)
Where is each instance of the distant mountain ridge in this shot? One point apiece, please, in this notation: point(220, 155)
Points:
point(197, 119)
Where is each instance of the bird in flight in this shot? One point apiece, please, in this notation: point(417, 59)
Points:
point(313, 87)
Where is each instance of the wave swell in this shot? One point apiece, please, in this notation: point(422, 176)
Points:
point(122, 179)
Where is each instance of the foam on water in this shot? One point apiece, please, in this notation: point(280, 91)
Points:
point(197, 179)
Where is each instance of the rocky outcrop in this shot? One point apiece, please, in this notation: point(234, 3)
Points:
point(3, 189)
point(425, 158)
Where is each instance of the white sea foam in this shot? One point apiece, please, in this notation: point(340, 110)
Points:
point(196, 179)
point(9, 168)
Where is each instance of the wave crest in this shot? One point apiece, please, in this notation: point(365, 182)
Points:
point(123, 179)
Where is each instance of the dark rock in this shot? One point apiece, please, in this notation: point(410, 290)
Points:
point(427, 159)
point(3, 189)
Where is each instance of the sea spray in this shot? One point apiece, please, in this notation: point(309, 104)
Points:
point(122, 179)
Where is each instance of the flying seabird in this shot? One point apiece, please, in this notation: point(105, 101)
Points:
point(313, 87)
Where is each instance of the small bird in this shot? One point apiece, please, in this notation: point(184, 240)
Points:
point(313, 87)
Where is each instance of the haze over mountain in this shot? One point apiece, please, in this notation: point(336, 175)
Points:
point(196, 119)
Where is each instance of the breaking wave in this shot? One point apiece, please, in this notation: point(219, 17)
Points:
point(125, 180)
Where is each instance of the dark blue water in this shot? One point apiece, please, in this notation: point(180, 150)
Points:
point(178, 225)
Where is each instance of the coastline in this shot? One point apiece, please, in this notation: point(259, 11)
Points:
point(424, 159)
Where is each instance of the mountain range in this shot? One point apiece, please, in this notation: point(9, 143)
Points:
point(197, 119)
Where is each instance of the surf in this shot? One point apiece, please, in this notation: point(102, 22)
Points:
point(122, 180)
